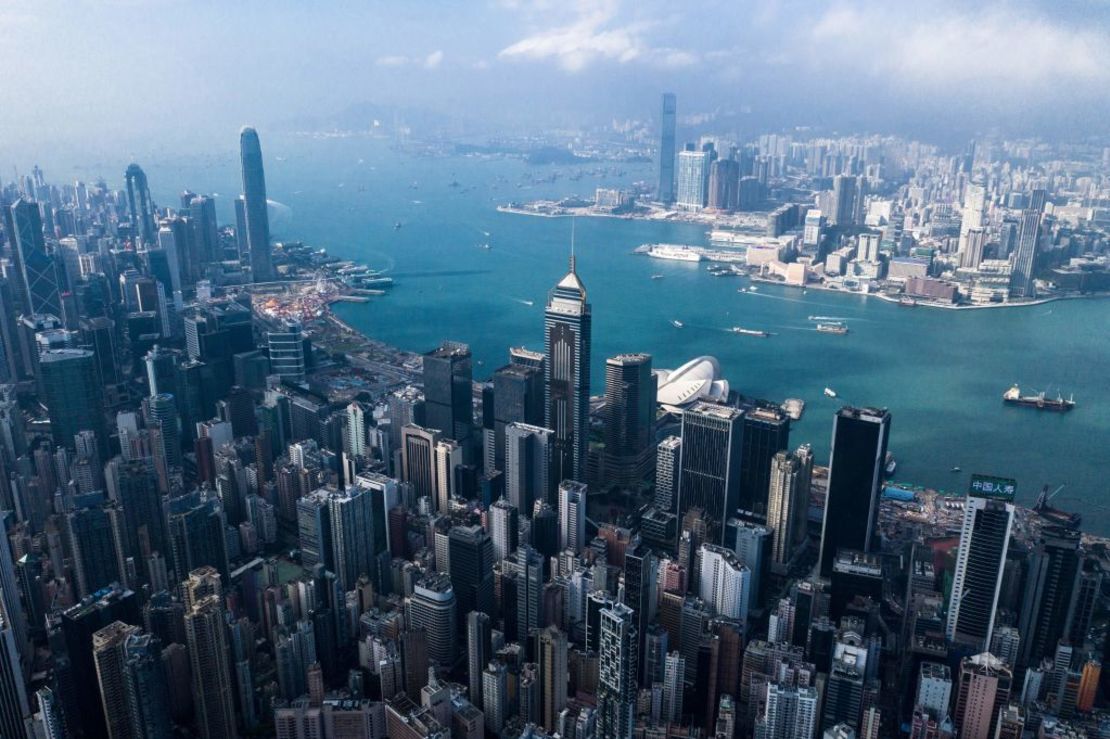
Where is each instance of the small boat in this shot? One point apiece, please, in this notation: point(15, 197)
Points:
point(752, 288)
point(832, 328)
point(955, 469)
point(484, 246)
point(677, 324)
point(749, 332)
point(657, 277)
point(822, 318)
point(830, 393)
point(397, 226)
point(891, 464)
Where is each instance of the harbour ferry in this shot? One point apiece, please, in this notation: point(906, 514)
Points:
point(832, 328)
point(749, 332)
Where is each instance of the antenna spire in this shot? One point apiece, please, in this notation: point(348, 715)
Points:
point(572, 243)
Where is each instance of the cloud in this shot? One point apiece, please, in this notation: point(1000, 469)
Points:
point(434, 59)
point(392, 61)
point(431, 61)
point(595, 33)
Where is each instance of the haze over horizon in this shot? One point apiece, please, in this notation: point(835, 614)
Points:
point(99, 75)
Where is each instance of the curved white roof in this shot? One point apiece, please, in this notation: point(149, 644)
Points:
point(698, 379)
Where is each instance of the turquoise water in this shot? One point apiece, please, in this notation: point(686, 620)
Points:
point(941, 373)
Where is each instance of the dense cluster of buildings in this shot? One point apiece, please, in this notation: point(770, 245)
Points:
point(198, 541)
point(999, 223)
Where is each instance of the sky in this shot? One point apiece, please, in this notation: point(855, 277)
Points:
point(89, 74)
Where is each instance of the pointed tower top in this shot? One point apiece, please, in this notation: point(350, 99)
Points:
point(572, 265)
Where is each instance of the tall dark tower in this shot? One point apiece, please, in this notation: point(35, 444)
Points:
point(38, 279)
point(855, 475)
point(139, 205)
point(254, 208)
point(666, 149)
point(566, 332)
point(449, 392)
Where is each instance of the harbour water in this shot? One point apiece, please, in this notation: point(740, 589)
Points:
point(941, 373)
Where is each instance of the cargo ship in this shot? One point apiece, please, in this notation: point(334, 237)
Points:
point(1058, 404)
point(749, 332)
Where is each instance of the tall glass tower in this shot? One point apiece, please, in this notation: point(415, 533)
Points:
point(566, 333)
point(666, 149)
point(257, 220)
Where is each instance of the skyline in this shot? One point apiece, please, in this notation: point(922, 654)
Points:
point(1024, 67)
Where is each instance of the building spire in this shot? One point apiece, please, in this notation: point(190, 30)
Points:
point(572, 244)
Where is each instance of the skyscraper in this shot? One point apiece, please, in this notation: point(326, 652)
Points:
point(72, 396)
point(432, 608)
point(666, 148)
point(448, 392)
point(710, 476)
point(856, 460)
point(38, 273)
point(139, 205)
point(983, 691)
point(517, 398)
point(353, 528)
point(1025, 255)
point(572, 515)
point(629, 418)
point(257, 219)
point(213, 691)
point(529, 593)
point(530, 470)
point(668, 456)
point(286, 345)
point(471, 569)
point(617, 673)
point(845, 200)
point(788, 503)
point(984, 540)
point(693, 178)
point(14, 708)
point(766, 431)
point(724, 582)
point(551, 658)
point(567, 328)
point(109, 657)
point(1050, 593)
point(503, 528)
point(479, 651)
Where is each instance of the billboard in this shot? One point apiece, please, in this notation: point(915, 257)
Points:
point(986, 486)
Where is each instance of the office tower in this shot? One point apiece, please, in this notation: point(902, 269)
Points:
point(255, 217)
point(92, 535)
point(139, 206)
point(529, 593)
point(479, 651)
point(432, 608)
point(447, 459)
point(471, 567)
point(666, 149)
point(788, 503)
point(206, 236)
point(984, 540)
point(766, 432)
point(213, 692)
point(417, 459)
point(668, 459)
point(617, 673)
point(843, 699)
point(503, 524)
point(108, 655)
point(975, 243)
point(197, 536)
point(984, 689)
point(640, 581)
point(845, 200)
point(355, 523)
point(72, 396)
point(710, 469)
point(19, 619)
point(724, 184)
point(788, 711)
point(1024, 259)
point(530, 465)
point(693, 178)
point(551, 659)
point(38, 290)
point(723, 582)
point(572, 515)
point(448, 392)
point(354, 432)
point(856, 460)
point(15, 710)
point(566, 333)
point(314, 532)
point(287, 350)
point(495, 696)
point(163, 416)
point(49, 721)
point(934, 689)
point(629, 417)
point(517, 398)
point(1050, 594)
point(294, 652)
point(674, 671)
point(752, 545)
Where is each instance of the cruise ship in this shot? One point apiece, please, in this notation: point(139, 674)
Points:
point(675, 252)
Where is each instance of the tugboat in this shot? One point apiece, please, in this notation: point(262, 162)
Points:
point(1058, 404)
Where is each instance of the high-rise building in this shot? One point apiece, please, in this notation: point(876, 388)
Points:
point(846, 200)
point(668, 459)
point(447, 459)
point(357, 531)
point(38, 274)
point(674, 671)
point(551, 659)
point(139, 205)
point(417, 459)
point(213, 691)
point(1024, 257)
point(567, 329)
point(15, 711)
point(788, 503)
point(975, 244)
point(530, 466)
point(856, 460)
point(983, 691)
point(572, 515)
point(432, 608)
point(72, 396)
point(934, 689)
point(108, 654)
point(529, 593)
point(479, 651)
point(471, 563)
point(693, 178)
point(766, 432)
point(617, 673)
point(448, 392)
point(256, 218)
point(287, 350)
point(1051, 590)
point(724, 184)
point(789, 711)
point(710, 467)
point(503, 528)
point(984, 541)
point(163, 416)
point(724, 582)
point(629, 418)
point(517, 398)
point(666, 149)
